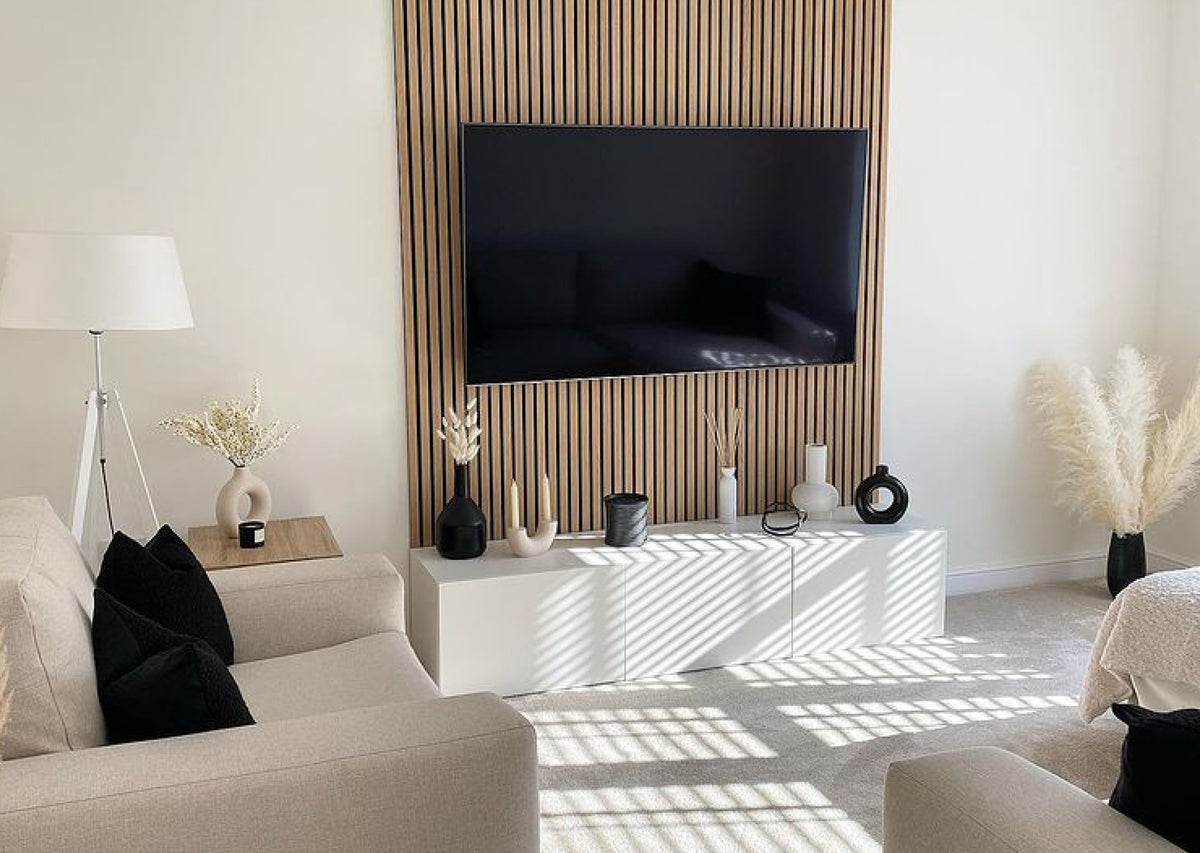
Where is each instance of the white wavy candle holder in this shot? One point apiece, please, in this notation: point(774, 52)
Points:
point(524, 545)
point(519, 540)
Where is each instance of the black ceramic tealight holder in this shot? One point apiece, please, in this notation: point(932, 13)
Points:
point(252, 534)
point(626, 515)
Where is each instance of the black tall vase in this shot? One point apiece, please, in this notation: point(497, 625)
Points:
point(460, 532)
point(1126, 560)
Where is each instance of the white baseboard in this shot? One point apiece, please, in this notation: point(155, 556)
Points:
point(988, 578)
point(1160, 560)
point(1073, 568)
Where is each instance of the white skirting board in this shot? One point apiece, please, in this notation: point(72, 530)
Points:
point(1077, 568)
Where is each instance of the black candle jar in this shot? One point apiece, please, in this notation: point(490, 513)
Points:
point(625, 518)
point(252, 534)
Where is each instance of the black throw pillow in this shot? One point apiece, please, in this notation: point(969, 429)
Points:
point(154, 683)
point(1159, 786)
point(164, 581)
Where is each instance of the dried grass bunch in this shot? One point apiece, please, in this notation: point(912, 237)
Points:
point(5, 697)
point(231, 429)
point(1123, 462)
point(726, 438)
point(462, 434)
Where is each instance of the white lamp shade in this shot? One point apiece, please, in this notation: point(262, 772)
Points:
point(96, 282)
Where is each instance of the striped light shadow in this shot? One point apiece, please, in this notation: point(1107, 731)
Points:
point(930, 661)
point(642, 735)
point(749, 817)
point(916, 573)
point(578, 638)
point(845, 723)
point(711, 601)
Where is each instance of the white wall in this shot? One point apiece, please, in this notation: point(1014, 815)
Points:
point(1179, 284)
point(1023, 204)
point(261, 135)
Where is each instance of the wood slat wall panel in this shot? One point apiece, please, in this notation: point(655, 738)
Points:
point(791, 63)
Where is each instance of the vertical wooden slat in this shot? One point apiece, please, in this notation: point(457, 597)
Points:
point(721, 62)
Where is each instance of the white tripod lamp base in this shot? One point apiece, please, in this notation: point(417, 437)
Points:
point(93, 452)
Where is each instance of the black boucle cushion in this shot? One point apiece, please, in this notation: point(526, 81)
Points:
point(164, 581)
point(154, 683)
point(1159, 786)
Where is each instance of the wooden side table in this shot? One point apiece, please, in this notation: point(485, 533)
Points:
point(287, 539)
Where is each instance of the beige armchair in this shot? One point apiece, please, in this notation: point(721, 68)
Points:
point(986, 800)
point(354, 748)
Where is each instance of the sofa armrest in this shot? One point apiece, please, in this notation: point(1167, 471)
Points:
point(987, 800)
point(441, 776)
point(286, 608)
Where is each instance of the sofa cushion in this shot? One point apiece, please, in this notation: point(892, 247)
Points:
point(377, 670)
point(45, 606)
point(155, 683)
point(1158, 785)
point(164, 581)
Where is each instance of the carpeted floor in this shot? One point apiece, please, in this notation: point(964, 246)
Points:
point(791, 755)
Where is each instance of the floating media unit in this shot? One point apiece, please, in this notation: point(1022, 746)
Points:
point(697, 595)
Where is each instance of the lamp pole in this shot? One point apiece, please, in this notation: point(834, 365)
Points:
point(101, 415)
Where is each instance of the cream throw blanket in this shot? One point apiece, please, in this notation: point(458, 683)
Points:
point(1151, 630)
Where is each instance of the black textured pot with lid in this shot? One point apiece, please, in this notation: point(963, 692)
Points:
point(626, 516)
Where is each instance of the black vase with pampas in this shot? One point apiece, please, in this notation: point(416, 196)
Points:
point(1126, 560)
point(1125, 462)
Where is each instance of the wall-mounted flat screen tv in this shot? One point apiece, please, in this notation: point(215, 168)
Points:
point(621, 251)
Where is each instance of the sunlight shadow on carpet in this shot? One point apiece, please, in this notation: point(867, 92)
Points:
point(931, 661)
point(791, 817)
point(844, 723)
point(587, 737)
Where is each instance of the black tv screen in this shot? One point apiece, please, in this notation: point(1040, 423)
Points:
point(618, 251)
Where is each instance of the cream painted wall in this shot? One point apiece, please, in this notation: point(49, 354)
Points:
point(261, 135)
point(1023, 205)
point(1179, 287)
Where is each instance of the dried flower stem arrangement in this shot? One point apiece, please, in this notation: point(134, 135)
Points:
point(462, 434)
point(1124, 462)
point(231, 429)
point(725, 438)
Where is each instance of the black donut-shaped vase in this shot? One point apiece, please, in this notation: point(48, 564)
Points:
point(890, 514)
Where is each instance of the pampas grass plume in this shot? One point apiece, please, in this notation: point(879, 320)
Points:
point(1121, 461)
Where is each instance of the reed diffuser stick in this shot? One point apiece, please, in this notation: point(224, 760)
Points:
point(725, 439)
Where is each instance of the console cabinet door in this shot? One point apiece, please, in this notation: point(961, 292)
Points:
point(855, 590)
point(699, 601)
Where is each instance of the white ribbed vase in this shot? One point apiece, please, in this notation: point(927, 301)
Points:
point(243, 482)
point(816, 496)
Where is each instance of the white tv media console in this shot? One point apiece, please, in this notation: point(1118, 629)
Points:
point(696, 595)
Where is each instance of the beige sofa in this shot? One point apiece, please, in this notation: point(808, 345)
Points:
point(354, 748)
point(986, 800)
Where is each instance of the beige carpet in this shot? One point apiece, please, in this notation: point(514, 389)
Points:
point(791, 755)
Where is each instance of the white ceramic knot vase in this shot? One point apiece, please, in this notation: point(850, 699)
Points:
point(243, 483)
point(816, 496)
point(727, 496)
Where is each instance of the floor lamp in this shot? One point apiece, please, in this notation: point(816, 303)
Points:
point(95, 283)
